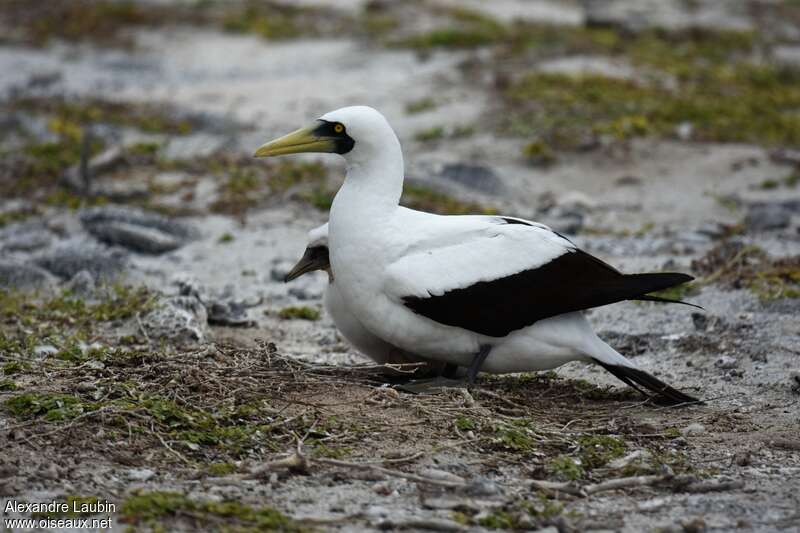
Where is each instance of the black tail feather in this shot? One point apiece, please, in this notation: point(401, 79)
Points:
point(634, 376)
point(651, 298)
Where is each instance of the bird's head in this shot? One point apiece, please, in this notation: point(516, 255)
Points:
point(354, 132)
point(315, 257)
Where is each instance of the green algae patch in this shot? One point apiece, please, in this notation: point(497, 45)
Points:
point(599, 450)
point(299, 312)
point(735, 266)
point(708, 81)
point(156, 507)
point(278, 21)
point(51, 407)
point(566, 468)
point(465, 28)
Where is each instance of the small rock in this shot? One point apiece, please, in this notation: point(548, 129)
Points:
point(82, 284)
point(628, 180)
point(103, 162)
point(482, 487)
point(441, 475)
point(299, 293)
point(693, 430)
point(49, 472)
point(700, 321)
point(477, 177)
point(548, 529)
point(45, 350)
point(22, 276)
point(726, 362)
point(231, 314)
point(181, 319)
point(74, 255)
point(765, 217)
point(743, 458)
point(135, 229)
point(794, 377)
point(684, 131)
point(695, 525)
point(140, 474)
point(136, 238)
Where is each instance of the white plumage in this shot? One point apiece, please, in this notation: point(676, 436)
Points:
point(460, 288)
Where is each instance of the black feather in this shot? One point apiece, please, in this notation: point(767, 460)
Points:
point(571, 282)
point(651, 298)
point(634, 376)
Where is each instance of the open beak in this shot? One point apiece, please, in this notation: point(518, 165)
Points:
point(312, 260)
point(302, 140)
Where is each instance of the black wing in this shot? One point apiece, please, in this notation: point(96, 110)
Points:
point(570, 282)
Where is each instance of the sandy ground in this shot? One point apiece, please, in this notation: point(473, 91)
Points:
point(485, 459)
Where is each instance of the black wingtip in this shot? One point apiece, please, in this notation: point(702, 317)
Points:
point(651, 298)
point(633, 377)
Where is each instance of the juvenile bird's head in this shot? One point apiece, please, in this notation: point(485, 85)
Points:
point(315, 257)
point(357, 133)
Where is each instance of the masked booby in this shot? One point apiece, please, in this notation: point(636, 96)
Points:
point(490, 293)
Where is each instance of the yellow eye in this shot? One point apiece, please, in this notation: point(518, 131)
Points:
point(338, 128)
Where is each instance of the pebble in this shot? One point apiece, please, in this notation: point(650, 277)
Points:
point(726, 362)
point(693, 429)
point(74, 255)
point(181, 319)
point(140, 474)
point(22, 276)
point(765, 217)
point(44, 350)
point(135, 229)
point(476, 177)
point(82, 284)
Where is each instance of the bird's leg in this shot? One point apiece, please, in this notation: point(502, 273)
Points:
point(477, 363)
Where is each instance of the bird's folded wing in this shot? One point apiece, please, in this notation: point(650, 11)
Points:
point(509, 276)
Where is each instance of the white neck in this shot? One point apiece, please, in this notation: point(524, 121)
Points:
point(375, 172)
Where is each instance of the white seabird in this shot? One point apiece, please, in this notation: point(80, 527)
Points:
point(491, 293)
point(316, 257)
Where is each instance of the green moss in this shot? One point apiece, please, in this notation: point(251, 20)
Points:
point(226, 238)
point(565, 467)
point(152, 508)
point(79, 20)
point(433, 133)
point(221, 469)
point(717, 88)
point(248, 183)
point(301, 312)
point(321, 450)
point(518, 436)
point(17, 215)
point(465, 424)
point(791, 180)
point(421, 105)
point(769, 184)
point(51, 407)
point(13, 367)
point(538, 152)
point(73, 114)
point(776, 279)
point(426, 199)
point(597, 451)
point(279, 21)
point(499, 520)
point(7, 385)
point(467, 29)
